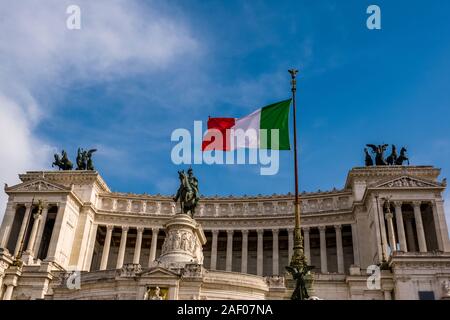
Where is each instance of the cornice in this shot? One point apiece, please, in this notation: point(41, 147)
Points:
point(68, 177)
point(391, 171)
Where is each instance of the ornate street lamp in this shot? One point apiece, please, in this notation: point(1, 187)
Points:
point(298, 267)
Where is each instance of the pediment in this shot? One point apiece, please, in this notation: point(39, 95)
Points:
point(36, 185)
point(407, 182)
point(158, 272)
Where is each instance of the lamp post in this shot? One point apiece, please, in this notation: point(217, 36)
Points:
point(298, 266)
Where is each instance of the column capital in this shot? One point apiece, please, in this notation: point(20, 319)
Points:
point(244, 232)
point(27, 205)
point(155, 230)
point(322, 228)
point(230, 232)
point(37, 216)
point(416, 203)
point(338, 227)
point(140, 229)
point(275, 231)
point(109, 227)
point(397, 204)
point(389, 215)
point(125, 228)
point(290, 230)
point(305, 229)
point(260, 231)
point(215, 232)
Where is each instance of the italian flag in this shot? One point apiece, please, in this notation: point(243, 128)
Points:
point(257, 126)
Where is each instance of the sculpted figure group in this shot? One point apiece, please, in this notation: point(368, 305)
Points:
point(83, 161)
point(392, 159)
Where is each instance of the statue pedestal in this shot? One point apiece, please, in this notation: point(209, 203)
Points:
point(183, 244)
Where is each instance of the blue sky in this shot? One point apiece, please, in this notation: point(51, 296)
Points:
point(137, 70)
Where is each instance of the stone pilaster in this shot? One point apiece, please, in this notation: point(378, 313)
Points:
point(215, 234)
point(355, 244)
point(275, 252)
point(259, 253)
point(229, 261)
point(339, 249)
point(323, 250)
point(440, 225)
point(8, 219)
point(244, 255)
point(55, 240)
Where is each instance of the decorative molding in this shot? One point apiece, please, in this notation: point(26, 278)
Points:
point(37, 185)
point(407, 182)
point(129, 270)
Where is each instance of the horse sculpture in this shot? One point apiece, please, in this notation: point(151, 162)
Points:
point(186, 195)
point(369, 161)
point(62, 163)
point(402, 157)
point(392, 159)
point(379, 153)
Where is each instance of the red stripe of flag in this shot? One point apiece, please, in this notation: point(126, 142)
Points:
point(221, 124)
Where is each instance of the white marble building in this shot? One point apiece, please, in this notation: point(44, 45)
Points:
point(112, 240)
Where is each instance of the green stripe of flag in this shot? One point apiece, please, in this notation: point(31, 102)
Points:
point(275, 116)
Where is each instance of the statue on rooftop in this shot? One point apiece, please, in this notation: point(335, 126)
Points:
point(62, 163)
point(84, 159)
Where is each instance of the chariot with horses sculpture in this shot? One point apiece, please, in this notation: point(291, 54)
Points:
point(392, 160)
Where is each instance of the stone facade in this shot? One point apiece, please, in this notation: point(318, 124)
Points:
point(91, 243)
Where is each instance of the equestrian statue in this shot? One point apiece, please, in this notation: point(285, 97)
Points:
point(188, 193)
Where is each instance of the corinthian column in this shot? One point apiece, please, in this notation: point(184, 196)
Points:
point(290, 243)
point(229, 262)
point(34, 229)
point(244, 251)
point(122, 248)
point(306, 244)
point(355, 244)
point(260, 248)
point(106, 246)
point(339, 248)
point(419, 227)
point(215, 234)
point(40, 230)
point(390, 225)
point(275, 252)
point(137, 248)
point(323, 250)
point(153, 245)
point(400, 226)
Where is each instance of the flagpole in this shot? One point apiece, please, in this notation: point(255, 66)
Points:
point(298, 265)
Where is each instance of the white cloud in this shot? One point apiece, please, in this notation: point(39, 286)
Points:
point(41, 59)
